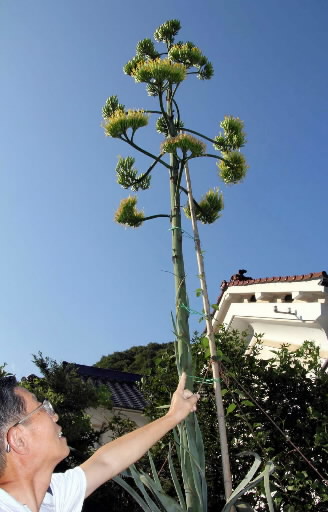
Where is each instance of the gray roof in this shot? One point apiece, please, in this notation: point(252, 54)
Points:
point(123, 385)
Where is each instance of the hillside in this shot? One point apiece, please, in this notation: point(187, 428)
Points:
point(138, 359)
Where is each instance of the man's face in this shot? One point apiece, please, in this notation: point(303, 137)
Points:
point(42, 431)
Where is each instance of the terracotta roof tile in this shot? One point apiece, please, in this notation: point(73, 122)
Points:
point(244, 281)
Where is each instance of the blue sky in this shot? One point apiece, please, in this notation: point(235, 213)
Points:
point(75, 285)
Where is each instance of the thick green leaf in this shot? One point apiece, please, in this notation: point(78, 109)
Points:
point(231, 408)
point(154, 472)
point(169, 504)
point(248, 403)
point(175, 481)
point(120, 481)
point(137, 479)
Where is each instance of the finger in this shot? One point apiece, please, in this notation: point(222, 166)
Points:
point(193, 399)
point(182, 382)
point(187, 393)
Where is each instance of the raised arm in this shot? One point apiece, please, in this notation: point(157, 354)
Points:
point(114, 457)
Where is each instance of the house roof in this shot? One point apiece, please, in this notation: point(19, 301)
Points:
point(124, 391)
point(240, 279)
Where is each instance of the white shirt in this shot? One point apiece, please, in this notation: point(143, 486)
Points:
point(68, 491)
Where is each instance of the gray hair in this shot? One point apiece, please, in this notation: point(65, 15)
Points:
point(12, 407)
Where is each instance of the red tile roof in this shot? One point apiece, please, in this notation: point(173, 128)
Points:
point(240, 279)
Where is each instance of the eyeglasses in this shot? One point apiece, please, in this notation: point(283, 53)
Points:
point(46, 405)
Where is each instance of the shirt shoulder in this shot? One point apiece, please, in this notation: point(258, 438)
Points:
point(9, 504)
point(68, 492)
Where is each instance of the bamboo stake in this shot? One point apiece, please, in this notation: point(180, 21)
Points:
point(211, 340)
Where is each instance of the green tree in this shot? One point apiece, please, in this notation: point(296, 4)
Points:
point(289, 389)
point(3, 371)
point(163, 73)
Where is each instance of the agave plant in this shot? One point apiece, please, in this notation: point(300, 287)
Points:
point(163, 73)
point(152, 497)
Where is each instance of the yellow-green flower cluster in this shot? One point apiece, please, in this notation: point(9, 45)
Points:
point(233, 136)
point(185, 142)
point(167, 31)
point(158, 71)
point(233, 168)
point(186, 54)
point(209, 208)
point(127, 213)
point(118, 124)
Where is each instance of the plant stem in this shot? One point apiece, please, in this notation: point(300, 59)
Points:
point(211, 340)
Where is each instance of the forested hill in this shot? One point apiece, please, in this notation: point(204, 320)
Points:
point(135, 359)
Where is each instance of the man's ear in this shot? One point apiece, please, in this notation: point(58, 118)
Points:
point(17, 439)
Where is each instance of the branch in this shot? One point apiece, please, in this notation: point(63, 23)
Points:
point(156, 216)
point(177, 108)
point(153, 112)
point(212, 156)
point(200, 135)
point(147, 172)
point(175, 90)
point(138, 148)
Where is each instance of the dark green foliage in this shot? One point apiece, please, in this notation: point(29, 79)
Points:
point(206, 71)
point(3, 372)
point(142, 359)
point(292, 390)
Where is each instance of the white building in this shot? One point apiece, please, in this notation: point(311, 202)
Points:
point(289, 309)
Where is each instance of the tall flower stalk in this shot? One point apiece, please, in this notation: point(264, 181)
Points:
point(163, 74)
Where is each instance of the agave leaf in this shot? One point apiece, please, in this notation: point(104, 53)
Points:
point(194, 462)
point(235, 496)
point(201, 454)
point(199, 445)
point(185, 460)
point(137, 479)
point(256, 464)
point(178, 356)
point(154, 472)
point(177, 443)
point(267, 486)
point(175, 480)
point(169, 504)
point(120, 481)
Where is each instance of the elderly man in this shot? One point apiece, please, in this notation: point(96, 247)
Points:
point(32, 444)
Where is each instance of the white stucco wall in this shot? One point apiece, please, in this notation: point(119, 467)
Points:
point(100, 417)
point(305, 318)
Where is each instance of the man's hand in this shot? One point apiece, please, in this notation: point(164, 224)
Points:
point(183, 401)
point(117, 455)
